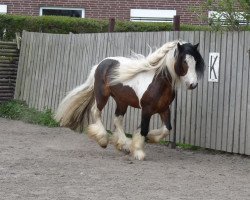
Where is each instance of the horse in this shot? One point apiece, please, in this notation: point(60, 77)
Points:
point(148, 83)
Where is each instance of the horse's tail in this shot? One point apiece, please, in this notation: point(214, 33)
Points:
point(74, 110)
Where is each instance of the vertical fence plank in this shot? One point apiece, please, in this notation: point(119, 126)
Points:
point(43, 74)
point(210, 96)
point(205, 91)
point(34, 71)
point(213, 134)
point(220, 108)
point(232, 95)
point(52, 75)
point(27, 69)
point(71, 71)
point(247, 136)
point(23, 52)
point(244, 95)
point(227, 90)
point(47, 74)
point(238, 96)
point(38, 81)
point(194, 96)
point(199, 94)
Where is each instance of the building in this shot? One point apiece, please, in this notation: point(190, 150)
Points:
point(134, 10)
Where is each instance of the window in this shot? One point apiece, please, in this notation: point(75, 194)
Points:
point(222, 17)
point(3, 9)
point(70, 12)
point(149, 15)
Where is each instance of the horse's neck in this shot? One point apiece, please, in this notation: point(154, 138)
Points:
point(170, 62)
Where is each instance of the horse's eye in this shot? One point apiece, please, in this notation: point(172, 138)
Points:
point(185, 62)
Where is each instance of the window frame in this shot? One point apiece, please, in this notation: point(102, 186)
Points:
point(3, 9)
point(150, 15)
point(60, 8)
point(223, 19)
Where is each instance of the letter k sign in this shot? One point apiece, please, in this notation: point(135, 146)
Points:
point(213, 72)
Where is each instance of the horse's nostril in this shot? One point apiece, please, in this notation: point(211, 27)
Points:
point(193, 85)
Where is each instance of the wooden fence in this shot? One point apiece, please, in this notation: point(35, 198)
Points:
point(216, 115)
point(8, 69)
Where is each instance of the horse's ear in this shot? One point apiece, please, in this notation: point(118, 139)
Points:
point(196, 45)
point(179, 46)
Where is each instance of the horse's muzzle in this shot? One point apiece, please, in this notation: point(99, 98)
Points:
point(193, 86)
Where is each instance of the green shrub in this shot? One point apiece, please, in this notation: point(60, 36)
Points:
point(10, 24)
point(18, 110)
point(127, 26)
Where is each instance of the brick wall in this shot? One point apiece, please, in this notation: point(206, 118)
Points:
point(119, 9)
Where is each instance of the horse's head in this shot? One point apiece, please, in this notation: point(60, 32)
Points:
point(189, 65)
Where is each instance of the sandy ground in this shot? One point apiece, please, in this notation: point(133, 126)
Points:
point(55, 163)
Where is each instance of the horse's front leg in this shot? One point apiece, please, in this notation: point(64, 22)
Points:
point(138, 140)
point(154, 136)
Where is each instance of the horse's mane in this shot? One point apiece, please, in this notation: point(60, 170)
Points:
point(139, 63)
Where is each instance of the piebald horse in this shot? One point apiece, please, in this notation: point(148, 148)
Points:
point(148, 83)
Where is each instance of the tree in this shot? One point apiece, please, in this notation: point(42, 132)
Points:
point(227, 14)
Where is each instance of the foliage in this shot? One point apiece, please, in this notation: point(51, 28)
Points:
point(188, 147)
point(228, 16)
point(181, 145)
point(10, 24)
point(127, 26)
point(18, 110)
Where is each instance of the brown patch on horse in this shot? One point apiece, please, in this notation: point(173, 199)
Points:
point(101, 85)
point(159, 94)
point(125, 95)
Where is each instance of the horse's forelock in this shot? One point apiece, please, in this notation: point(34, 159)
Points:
point(192, 50)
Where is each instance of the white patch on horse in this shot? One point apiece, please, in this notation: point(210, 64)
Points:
point(156, 135)
point(191, 76)
point(120, 140)
point(140, 83)
point(96, 130)
point(137, 146)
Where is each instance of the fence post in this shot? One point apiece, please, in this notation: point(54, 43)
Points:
point(176, 23)
point(111, 24)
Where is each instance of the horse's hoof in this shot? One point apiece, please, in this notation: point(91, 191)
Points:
point(156, 138)
point(137, 146)
point(103, 141)
point(122, 144)
point(99, 135)
point(139, 155)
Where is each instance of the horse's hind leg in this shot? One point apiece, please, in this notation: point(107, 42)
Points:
point(119, 139)
point(96, 130)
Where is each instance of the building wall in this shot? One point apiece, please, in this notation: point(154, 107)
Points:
point(119, 9)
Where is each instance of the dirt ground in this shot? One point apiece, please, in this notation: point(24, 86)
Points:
point(55, 163)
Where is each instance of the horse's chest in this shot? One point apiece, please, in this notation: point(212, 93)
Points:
point(158, 96)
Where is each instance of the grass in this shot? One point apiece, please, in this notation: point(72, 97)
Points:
point(188, 147)
point(18, 110)
point(182, 146)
